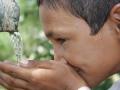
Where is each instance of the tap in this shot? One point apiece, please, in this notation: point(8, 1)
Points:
point(9, 16)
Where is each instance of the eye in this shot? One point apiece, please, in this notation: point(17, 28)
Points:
point(61, 40)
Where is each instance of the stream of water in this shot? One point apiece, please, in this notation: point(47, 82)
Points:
point(16, 41)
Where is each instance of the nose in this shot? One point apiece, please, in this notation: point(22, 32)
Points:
point(58, 52)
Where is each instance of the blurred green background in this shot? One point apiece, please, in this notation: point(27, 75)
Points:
point(36, 45)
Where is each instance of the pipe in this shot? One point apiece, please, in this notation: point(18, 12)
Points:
point(9, 16)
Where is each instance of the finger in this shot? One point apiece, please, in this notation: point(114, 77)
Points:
point(38, 64)
point(12, 82)
point(2, 83)
point(15, 71)
point(15, 89)
point(5, 85)
point(9, 62)
point(35, 87)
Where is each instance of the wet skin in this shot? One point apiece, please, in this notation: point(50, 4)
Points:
point(94, 56)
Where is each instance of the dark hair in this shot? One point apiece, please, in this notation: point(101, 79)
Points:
point(94, 12)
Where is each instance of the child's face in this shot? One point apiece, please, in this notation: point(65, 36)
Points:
point(95, 56)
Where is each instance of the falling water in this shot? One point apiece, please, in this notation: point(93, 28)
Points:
point(16, 41)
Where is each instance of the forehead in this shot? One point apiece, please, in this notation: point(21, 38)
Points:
point(56, 15)
point(62, 22)
point(57, 18)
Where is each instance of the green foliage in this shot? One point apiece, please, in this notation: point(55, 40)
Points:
point(36, 46)
point(104, 85)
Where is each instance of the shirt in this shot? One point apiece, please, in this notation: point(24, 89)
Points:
point(115, 86)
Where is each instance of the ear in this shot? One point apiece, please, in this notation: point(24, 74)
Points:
point(115, 13)
point(115, 16)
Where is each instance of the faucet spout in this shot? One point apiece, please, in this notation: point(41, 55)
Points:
point(9, 16)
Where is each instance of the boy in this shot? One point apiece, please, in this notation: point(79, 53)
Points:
point(86, 39)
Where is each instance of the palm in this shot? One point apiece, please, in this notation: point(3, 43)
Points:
point(49, 75)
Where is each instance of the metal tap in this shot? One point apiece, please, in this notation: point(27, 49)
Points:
point(9, 16)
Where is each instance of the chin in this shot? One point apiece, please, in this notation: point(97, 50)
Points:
point(92, 79)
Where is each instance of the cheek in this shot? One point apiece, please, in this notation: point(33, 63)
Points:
point(91, 55)
point(96, 62)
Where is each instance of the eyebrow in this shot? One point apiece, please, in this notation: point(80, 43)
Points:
point(52, 34)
